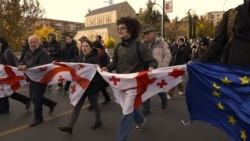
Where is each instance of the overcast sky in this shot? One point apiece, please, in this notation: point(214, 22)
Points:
point(75, 10)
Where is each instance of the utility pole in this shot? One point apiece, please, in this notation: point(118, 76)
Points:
point(163, 19)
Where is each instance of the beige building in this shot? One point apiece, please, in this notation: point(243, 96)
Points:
point(214, 17)
point(60, 24)
point(103, 21)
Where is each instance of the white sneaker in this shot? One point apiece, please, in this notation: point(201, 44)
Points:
point(181, 93)
point(139, 127)
point(169, 97)
point(58, 88)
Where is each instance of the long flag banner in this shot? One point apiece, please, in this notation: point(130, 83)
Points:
point(80, 75)
point(220, 95)
point(10, 80)
point(130, 90)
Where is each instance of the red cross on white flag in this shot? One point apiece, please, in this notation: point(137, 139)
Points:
point(80, 75)
point(10, 80)
point(130, 90)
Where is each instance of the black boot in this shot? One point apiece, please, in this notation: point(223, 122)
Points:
point(90, 108)
point(66, 129)
point(97, 125)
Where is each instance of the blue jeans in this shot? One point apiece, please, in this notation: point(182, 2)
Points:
point(126, 122)
point(146, 104)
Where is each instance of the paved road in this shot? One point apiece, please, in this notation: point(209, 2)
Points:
point(161, 125)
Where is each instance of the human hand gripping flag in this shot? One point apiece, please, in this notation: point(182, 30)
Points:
point(10, 80)
point(80, 75)
point(130, 90)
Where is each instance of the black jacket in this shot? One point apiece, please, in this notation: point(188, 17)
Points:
point(97, 82)
point(69, 51)
point(237, 51)
point(54, 48)
point(7, 57)
point(179, 55)
point(36, 58)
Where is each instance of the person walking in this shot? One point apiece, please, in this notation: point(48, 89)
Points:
point(88, 54)
point(232, 39)
point(54, 51)
point(126, 60)
point(7, 57)
point(180, 53)
point(162, 54)
point(104, 60)
point(36, 56)
point(69, 51)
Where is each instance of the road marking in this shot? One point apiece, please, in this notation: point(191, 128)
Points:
point(22, 127)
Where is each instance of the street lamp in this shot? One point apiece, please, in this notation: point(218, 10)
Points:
point(163, 18)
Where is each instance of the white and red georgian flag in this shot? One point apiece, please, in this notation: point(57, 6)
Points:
point(10, 80)
point(80, 75)
point(130, 90)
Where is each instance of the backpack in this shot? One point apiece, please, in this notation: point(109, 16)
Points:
point(137, 49)
point(6, 57)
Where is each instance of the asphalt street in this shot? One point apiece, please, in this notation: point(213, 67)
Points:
point(161, 125)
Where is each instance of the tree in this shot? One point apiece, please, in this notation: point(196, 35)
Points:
point(151, 18)
point(18, 18)
point(205, 28)
point(44, 31)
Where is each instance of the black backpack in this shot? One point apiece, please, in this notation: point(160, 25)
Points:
point(8, 55)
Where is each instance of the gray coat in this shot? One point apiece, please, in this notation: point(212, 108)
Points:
point(126, 59)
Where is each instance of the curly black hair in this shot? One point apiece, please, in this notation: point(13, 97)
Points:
point(133, 25)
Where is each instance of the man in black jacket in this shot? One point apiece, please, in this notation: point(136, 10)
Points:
point(69, 51)
point(36, 56)
point(54, 51)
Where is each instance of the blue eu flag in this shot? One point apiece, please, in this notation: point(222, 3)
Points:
point(220, 95)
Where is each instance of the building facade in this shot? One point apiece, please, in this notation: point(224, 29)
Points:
point(103, 21)
point(214, 17)
point(60, 24)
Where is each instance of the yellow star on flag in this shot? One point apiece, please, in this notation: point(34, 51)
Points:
point(220, 106)
point(216, 93)
point(232, 120)
point(244, 80)
point(243, 135)
point(225, 80)
point(215, 86)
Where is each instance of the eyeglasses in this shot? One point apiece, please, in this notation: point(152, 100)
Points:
point(121, 28)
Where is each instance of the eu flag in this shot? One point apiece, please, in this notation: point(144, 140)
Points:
point(220, 95)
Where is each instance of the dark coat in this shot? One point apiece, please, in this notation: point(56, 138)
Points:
point(7, 57)
point(54, 48)
point(69, 51)
point(97, 82)
point(179, 55)
point(36, 58)
point(237, 51)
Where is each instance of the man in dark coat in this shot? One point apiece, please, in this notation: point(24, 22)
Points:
point(36, 56)
point(232, 46)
